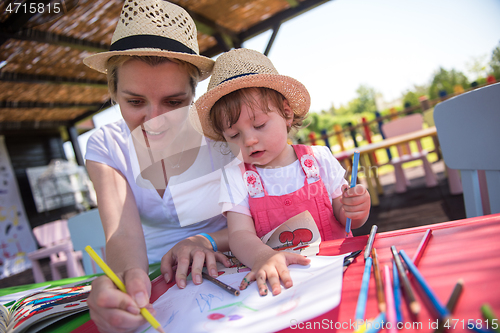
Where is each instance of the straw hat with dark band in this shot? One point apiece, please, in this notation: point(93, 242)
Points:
point(244, 68)
point(154, 28)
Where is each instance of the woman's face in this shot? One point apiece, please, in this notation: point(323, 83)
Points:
point(154, 101)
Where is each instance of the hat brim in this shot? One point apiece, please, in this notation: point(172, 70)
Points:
point(295, 92)
point(205, 65)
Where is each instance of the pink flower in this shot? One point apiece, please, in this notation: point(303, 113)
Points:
point(251, 179)
point(308, 163)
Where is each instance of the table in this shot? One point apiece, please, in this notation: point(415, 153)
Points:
point(466, 249)
point(367, 162)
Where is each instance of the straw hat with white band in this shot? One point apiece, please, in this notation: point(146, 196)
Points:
point(154, 28)
point(244, 68)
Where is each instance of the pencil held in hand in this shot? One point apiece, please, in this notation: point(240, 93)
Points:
point(221, 284)
point(354, 177)
point(116, 280)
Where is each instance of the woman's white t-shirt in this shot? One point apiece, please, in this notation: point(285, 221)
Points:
point(190, 202)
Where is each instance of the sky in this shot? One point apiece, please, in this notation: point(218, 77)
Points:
point(389, 45)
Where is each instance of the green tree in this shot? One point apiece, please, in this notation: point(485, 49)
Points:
point(477, 67)
point(365, 101)
point(495, 62)
point(411, 98)
point(412, 95)
point(446, 80)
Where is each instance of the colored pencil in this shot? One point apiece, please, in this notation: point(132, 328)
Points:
point(350, 258)
point(378, 282)
point(421, 247)
point(377, 324)
point(490, 316)
point(389, 299)
point(372, 325)
point(455, 295)
point(116, 280)
point(452, 302)
point(397, 293)
point(413, 305)
point(440, 309)
point(363, 292)
point(354, 177)
point(221, 284)
point(371, 238)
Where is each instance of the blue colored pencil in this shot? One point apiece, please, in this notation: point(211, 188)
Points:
point(354, 177)
point(377, 324)
point(363, 292)
point(440, 309)
point(397, 293)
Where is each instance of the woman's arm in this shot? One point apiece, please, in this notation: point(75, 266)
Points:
point(125, 253)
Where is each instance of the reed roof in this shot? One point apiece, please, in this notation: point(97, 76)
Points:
point(43, 81)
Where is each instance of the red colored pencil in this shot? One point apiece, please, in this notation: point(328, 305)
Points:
point(421, 247)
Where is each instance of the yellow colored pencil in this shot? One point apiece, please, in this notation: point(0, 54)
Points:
point(116, 280)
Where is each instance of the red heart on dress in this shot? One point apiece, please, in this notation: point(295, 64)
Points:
point(286, 236)
point(302, 236)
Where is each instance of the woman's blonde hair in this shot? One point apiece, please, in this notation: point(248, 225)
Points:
point(116, 62)
point(226, 111)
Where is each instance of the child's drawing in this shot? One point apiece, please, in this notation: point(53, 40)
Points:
point(208, 308)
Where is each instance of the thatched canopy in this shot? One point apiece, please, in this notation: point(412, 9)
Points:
point(43, 81)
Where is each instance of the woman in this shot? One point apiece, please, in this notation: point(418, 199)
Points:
point(157, 180)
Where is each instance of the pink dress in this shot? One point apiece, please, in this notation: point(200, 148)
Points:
point(269, 212)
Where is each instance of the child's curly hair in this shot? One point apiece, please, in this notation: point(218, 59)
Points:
point(226, 111)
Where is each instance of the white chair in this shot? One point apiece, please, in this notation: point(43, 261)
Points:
point(55, 241)
point(469, 134)
point(400, 126)
point(454, 182)
point(86, 229)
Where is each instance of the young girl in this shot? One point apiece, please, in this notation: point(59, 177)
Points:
point(251, 107)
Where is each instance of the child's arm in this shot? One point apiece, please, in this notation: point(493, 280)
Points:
point(354, 203)
point(266, 263)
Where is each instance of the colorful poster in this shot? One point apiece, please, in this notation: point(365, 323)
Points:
point(16, 238)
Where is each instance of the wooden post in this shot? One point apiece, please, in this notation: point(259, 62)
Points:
point(312, 137)
point(378, 115)
point(393, 112)
point(424, 103)
point(324, 136)
point(340, 137)
point(353, 134)
point(368, 136)
point(458, 89)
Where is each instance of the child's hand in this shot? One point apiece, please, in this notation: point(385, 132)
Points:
point(272, 268)
point(356, 204)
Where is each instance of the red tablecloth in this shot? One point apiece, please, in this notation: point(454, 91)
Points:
point(468, 249)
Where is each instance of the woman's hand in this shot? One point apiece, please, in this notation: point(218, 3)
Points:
point(115, 311)
point(273, 267)
point(195, 251)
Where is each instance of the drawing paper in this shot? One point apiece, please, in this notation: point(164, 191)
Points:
point(208, 308)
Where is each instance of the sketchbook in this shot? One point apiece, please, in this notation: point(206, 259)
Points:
point(208, 308)
point(41, 308)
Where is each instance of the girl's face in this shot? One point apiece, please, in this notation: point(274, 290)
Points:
point(262, 137)
point(154, 101)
